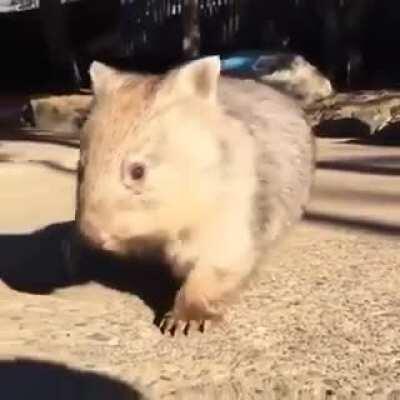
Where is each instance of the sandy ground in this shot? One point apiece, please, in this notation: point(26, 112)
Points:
point(321, 321)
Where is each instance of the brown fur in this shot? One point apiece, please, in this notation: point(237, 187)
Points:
point(228, 167)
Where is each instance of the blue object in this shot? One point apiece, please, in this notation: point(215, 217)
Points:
point(238, 64)
point(255, 62)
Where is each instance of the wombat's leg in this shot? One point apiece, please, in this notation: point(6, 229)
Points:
point(202, 296)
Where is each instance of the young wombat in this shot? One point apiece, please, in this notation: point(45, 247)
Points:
point(212, 168)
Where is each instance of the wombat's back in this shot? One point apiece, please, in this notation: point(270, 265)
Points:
point(285, 153)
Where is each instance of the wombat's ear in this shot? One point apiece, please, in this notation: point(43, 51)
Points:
point(102, 77)
point(199, 77)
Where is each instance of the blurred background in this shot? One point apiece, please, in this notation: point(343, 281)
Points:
point(48, 44)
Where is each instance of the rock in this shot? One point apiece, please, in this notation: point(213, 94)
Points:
point(377, 110)
point(60, 115)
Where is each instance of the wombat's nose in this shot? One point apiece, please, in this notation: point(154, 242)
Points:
point(93, 235)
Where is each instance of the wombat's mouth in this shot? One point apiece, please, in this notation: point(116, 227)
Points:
point(137, 247)
point(145, 246)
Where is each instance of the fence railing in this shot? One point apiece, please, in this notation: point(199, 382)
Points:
point(341, 36)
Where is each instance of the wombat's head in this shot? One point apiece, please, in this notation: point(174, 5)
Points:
point(150, 155)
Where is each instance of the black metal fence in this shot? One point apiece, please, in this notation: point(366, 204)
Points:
point(151, 32)
point(356, 37)
point(353, 41)
point(157, 25)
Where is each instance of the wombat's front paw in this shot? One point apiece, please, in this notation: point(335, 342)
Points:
point(189, 313)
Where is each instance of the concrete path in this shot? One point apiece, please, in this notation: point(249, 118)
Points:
point(322, 320)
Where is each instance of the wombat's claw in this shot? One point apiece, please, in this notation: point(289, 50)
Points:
point(190, 313)
point(167, 323)
point(173, 326)
point(203, 326)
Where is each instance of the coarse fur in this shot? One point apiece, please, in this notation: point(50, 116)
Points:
point(214, 168)
point(300, 79)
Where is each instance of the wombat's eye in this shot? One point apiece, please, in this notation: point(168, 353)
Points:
point(137, 171)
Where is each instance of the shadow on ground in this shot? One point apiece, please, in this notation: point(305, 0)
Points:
point(56, 166)
point(25, 379)
point(342, 128)
point(358, 132)
point(384, 165)
point(18, 134)
point(353, 222)
point(36, 263)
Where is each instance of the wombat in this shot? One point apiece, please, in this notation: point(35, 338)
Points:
point(212, 168)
